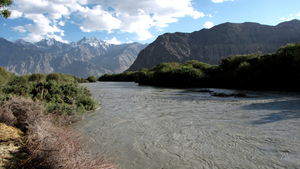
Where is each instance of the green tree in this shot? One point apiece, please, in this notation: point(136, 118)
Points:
point(92, 79)
point(3, 11)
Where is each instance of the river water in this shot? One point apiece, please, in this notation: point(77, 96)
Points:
point(148, 127)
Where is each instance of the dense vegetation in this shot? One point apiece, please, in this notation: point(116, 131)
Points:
point(278, 71)
point(59, 92)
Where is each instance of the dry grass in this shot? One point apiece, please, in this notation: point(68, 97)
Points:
point(10, 142)
point(9, 133)
point(48, 145)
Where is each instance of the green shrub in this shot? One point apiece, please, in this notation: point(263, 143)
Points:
point(4, 76)
point(81, 80)
point(92, 79)
point(63, 98)
point(38, 77)
point(17, 80)
point(53, 76)
point(165, 66)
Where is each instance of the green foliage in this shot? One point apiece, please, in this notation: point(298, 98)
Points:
point(92, 79)
point(124, 77)
point(61, 78)
point(81, 80)
point(62, 98)
point(60, 92)
point(38, 77)
point(3, 5)
point(165, 66)
point(4, 76)
point(53, 76)
point(17, 80)
point(183, 76)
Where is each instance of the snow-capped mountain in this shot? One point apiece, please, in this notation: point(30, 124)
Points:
point(82, 58)
point(93, 41)
point(23, 43)
point(52, 46)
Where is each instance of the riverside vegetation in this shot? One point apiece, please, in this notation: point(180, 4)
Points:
point(278, 71)
point(42, 106)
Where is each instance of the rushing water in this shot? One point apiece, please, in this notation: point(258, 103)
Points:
point(147, 127)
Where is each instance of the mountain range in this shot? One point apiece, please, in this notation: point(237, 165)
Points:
point(82, 58)
point(210, 45)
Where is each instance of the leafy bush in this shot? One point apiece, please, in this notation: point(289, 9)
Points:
point(81, 80)
point(92, 79)
point(38, 77)
point(61, 78)
point(4, 76)
point(62, 98)
point(53, 76)
point(17, 80)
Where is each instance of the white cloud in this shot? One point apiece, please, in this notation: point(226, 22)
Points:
point(113, 41)
point(31, 37)
point(131, 16)
point(298, 14)
point(143, 35)
point(217, 1)
point(61, 23)
point(289, 18)
point(15, 14)
point(220, 1)
point(208, 25)
point(19, 28)
point(4, 24)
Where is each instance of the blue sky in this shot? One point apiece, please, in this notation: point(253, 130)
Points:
point(125, 21)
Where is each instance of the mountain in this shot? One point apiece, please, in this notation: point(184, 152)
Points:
point(52, 46)
point(210, 45)
point(82, 58)
point(23, 43)
point(22, 60)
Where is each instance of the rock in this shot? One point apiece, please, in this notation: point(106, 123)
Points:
point(229, 95)
point(204, 91)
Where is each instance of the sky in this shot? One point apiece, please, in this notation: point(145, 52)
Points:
point(127, 21)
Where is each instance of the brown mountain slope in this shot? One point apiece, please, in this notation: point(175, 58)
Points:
point(210, 45)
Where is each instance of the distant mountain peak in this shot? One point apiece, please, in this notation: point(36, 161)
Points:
point(93, 38)
point(93, 41)
point(19, 40)
point(47, 42)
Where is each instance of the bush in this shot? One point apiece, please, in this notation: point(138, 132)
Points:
point(59, 98)
point(38, 77)
point(4, 76)
point(53, 76)
point(81, 80)
point(92, 79)
point(17, 80)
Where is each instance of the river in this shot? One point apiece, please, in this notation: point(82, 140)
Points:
point(143, 127)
